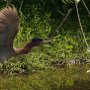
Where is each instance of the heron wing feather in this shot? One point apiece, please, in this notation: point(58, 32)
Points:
point(9, 24)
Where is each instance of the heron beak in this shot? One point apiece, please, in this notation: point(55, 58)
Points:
point(46, 41)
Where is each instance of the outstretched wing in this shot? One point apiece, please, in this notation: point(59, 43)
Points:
point(8, 26)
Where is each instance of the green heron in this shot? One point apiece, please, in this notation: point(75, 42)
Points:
point(9, 26)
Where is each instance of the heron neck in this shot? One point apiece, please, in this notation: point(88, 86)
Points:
point(25, 50)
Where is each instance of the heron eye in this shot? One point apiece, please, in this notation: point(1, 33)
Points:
point(37, 40)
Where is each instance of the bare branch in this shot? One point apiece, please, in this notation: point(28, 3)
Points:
point(86, 7)
point(61, 24)
point(83, 34)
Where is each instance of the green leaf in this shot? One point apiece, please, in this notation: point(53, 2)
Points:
point(69, 82)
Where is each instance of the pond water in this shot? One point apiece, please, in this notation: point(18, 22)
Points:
point(52, 79)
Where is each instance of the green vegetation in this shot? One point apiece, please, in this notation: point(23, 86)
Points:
point(35, 71)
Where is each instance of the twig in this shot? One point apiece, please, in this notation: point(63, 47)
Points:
point(86, 7)
point(21, 6)
point(69, 11)
point(81, 25)
point(10, 1)
point(60, 25)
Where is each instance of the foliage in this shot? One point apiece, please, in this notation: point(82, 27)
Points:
point(40, 18)
point(36, 71)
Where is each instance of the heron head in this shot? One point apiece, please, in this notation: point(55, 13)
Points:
point(39, 41)
point(36, 41)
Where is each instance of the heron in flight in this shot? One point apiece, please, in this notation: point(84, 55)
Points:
point(9, 27)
